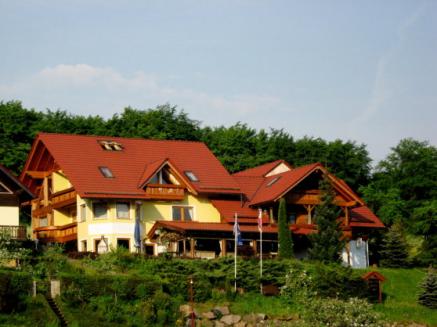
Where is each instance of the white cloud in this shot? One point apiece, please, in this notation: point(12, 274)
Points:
point(87, 89)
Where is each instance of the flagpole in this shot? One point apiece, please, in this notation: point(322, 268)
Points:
point(260, 248)
point(235, 252)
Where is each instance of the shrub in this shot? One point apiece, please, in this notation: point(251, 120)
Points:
point(284, 233)
point(428, 294)
point(339, 313)
point(394, 251)
point(14, 289)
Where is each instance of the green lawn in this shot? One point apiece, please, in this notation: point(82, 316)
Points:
point(400, 303)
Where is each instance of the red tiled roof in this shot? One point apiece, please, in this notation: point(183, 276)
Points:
point(285, 181)
point(228, 208)
point(79, 156)
point(184, 226)
point(12, 178)
point(261, 171)
point(149, 170)
point(364, 217)
point(249, 184)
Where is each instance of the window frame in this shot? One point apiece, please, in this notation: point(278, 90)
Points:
point(106, 204)
point(182, 212)
point(106, 172)
point(128, 209)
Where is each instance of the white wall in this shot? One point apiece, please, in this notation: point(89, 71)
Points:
point(9, 216)
point(359, 254)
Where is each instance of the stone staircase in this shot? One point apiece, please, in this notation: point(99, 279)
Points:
point(57, 311)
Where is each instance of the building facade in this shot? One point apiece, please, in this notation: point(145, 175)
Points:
point(96, 193)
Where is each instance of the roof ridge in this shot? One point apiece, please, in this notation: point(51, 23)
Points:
point(122, 137)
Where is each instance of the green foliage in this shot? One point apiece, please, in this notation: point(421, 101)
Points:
point(284, 233)
point(428, 294)
point(11, 249)
point(327, 243)
point(341, 313)
point(394, 252)
point(14, 288)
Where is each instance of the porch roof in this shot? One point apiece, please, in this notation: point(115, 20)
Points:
point(193, 226)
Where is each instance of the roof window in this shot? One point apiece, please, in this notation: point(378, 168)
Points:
point(110, 145)
point(191, 176)
point(106, 172)
point(273, 181)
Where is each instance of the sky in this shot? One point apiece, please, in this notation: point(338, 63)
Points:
point(364, 71)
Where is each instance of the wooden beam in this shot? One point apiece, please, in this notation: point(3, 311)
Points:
point(38, 174)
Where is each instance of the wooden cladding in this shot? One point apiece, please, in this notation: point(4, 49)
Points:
point(56, 200)
point(14, 232)
point(164, 192)
point(58, 234)
point(313, 198)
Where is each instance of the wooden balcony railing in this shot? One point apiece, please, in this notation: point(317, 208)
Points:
point(58, 234)
point(14, 232)
point(56, 200)
point(165, 192)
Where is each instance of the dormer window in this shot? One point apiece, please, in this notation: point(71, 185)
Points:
point(191, 176)
point(273, 181)
point(110, 145)
point(106, 172)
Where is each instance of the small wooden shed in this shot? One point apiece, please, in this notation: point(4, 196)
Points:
point(374, 280)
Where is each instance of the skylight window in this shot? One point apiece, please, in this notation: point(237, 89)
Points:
point(110, 145)
point(273, 181)
point(191, 176)
point(106, 172)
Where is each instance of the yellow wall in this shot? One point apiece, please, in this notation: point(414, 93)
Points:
point(203, 210)
point(151, 211)
point(9, 216)
point(59, 182)
point(62, 217)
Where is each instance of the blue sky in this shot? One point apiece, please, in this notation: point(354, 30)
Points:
point(363, 71)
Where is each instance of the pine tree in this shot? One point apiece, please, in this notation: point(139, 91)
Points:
point(394, 252)
point(428, 296)
point(284, 234)
point(327, 243)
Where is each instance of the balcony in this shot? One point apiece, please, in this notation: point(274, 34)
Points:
point(14, 232)
point(58, 234)
point(165, 192)
point(56, 200)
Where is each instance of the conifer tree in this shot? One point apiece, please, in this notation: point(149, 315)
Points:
point(428, 296)
point(284, 233)
point(327, 244)
point(394, 252)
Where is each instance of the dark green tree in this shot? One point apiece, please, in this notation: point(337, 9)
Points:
point(284, 233)
point(425, 222)
point(394, 250)
point(328, 243)
point(428, 294)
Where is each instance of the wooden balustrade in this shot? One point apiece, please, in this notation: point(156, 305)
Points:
point(14, 232)
point(58, 234)
point(165, 192)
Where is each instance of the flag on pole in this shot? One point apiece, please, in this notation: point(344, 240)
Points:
point(260, 220)
point(237, 232)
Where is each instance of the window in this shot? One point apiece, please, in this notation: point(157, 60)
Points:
point(123, 243)
point(191, 176)
point(182, 213)
point(273, 181)
point(106, 172)
point(110, 145)
point(83, 212)
point(100, 210)
point(122, 210)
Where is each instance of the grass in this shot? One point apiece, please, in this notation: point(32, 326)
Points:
point(400, 304)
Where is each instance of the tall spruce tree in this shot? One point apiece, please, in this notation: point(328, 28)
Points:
point(394, 252)
point(327, 243)
point(428, 295)
point(284, 233)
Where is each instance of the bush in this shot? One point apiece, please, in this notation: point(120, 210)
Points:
point(14, 289)
point(335, 312)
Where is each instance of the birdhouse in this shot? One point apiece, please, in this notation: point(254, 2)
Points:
point(374, 280)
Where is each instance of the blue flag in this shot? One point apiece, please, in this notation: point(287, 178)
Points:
point(237, 232)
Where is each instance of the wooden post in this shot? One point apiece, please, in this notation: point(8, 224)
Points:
point(223, 253)
point(255, 250)
point(192, 244)
point(346, 214)
point(309, 208)
point(46, 191)
point(272, 220)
